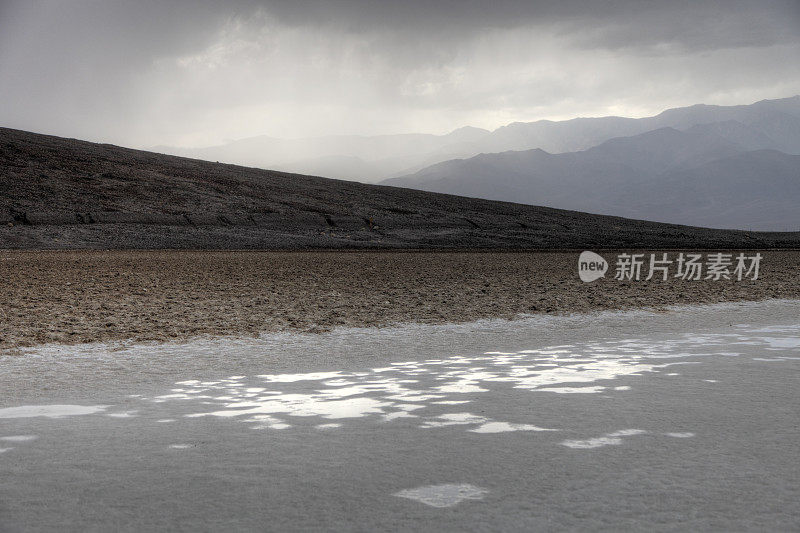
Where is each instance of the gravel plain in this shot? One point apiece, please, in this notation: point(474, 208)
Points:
point(86, 296)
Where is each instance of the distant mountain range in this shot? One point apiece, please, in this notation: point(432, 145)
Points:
point(771, 124)
point(352, 157)
point(724, 167)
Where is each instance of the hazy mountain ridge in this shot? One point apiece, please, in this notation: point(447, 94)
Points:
point(776, 122)
point(347, 157)
point(760, 189)
point(724, 174)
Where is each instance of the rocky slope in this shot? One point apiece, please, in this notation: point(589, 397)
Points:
point(64, 193)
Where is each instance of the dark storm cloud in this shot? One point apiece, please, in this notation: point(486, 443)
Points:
point(615, 23)
point(193, 72)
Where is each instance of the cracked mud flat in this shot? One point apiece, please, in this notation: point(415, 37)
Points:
point(77, 297)
point(681, 420)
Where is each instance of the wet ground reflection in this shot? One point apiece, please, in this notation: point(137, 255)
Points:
point(446, 392)
point(413, 390)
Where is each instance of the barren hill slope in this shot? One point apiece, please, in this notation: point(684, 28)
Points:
point(65, 193)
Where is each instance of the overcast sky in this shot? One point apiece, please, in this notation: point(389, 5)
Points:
point(194, 73)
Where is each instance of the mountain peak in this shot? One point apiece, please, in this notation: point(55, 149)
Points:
point(467, 134)
point(468, 129)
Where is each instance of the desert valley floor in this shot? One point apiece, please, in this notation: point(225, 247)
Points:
point(78, 297)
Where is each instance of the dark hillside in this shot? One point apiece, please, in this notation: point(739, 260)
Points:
point(65, 193)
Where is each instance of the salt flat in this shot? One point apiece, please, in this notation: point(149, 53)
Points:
point(613, 420)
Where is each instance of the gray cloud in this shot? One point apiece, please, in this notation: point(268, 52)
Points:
point(149, 72)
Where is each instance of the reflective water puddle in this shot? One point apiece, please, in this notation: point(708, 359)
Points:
point(18, 438)
point(415, 393)
point(408, 390)
point(51, 411)
point(609, 439)
point(446, 495)
point(15, 439)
